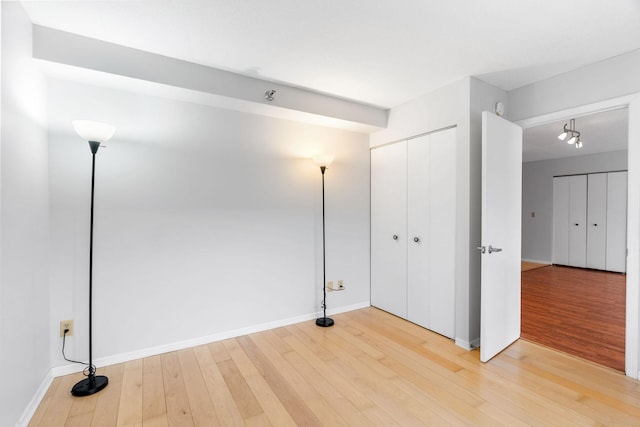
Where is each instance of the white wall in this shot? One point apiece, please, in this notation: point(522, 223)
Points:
point(206, 220)
point(537, 196)
point(24, 286)
point(601, 81)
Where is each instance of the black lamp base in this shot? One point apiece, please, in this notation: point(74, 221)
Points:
point(86, 387)
point(325, 322)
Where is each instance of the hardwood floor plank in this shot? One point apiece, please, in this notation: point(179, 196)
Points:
point(305, 404)
point(225, 407)
point(177, 401)
point(370, 368)
point(268, 400)
point(200, 403)
point(578, 311)
point(49, 396)
point(154, 408)
point(130, 413)
point(108, 403)
point(242, 394)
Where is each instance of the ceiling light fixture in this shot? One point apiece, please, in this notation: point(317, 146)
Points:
point(572, 132)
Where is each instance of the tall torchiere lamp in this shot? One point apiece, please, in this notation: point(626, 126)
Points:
point(323, 160)
point(96, 133)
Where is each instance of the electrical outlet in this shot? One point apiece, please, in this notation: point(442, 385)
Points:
point(66, 324)
point(340, 284)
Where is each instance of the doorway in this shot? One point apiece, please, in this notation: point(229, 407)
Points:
point(558, 293)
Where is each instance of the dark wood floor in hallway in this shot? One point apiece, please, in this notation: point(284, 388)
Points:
point(578, 311)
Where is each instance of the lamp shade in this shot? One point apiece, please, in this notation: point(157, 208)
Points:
point(322, 159)
point(93, 131)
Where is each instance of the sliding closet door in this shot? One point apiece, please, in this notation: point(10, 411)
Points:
point(617, 222)
point(560, 254)
point(596, 220)
point(389, 228)
point(578, 221)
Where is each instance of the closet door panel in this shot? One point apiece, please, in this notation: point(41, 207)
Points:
point(617, 222)
point(577, 221)
point(389, 228)
point(596, 220)
point(561, 220)
point(418, 215)
point(442, 231)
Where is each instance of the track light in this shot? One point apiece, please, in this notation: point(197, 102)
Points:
point(571, 131)
point(268, 95)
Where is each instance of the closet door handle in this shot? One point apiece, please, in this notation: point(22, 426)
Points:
point(416, 239)
point(576, 224)
point(595, 225)
point(395, 237)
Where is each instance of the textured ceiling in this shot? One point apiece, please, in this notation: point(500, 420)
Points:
point(377, 52)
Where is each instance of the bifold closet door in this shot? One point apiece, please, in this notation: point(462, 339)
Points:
point(596, 220)
point(617, 222)
point(442, 228)
point(560, 254)
point(418, 220)
point(389, 228)
point(578, 221)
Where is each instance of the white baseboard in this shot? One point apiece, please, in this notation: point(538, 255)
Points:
point(468, 345)
point(180, 345)
point(537, 261)
point(31, 408)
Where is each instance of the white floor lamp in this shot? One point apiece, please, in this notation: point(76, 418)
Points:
point(96, 133)
point(323, 160)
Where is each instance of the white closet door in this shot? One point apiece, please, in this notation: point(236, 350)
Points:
point(577, 221)
point(617, 222)
point(596, 220)
point(442, 231)
point(418, 216)
point(389, 228)
point(561, 220)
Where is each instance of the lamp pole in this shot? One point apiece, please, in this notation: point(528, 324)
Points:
point(324, 321)
point(93, 383)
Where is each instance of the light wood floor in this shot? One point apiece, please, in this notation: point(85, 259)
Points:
point(576, 310)
point(371, 368)
point(528, 265)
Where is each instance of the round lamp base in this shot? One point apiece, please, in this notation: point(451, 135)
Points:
point(87, 387)
point(325, 322)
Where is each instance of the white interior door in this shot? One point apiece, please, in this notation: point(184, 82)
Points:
point(501, 234)
point(616, 222)
point(418, 197)
point(578, 221)
point(389, 228)
point(561, 220)
point(596, 220)
point(442, 200)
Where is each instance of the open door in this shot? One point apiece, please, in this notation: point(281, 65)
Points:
point(501, 234)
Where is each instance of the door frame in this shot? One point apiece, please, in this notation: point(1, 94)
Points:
point(632, 327)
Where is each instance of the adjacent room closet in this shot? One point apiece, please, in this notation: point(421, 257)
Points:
point(589, 220)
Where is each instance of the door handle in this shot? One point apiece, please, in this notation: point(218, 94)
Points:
point(576, 224)
point(492, 249)
point(416, 239)
point(482, 249)
point(595, 225)
point(395, 237)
